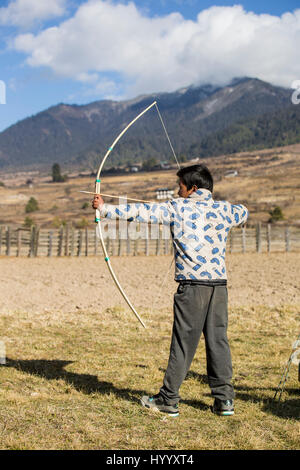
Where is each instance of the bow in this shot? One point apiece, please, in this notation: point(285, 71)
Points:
point(98, 191)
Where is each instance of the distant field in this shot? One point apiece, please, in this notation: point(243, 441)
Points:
point(265, 179)
point(78, 361)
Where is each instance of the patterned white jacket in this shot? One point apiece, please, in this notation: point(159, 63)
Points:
point(199, 228)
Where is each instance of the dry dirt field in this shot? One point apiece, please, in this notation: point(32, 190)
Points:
point(65, 285)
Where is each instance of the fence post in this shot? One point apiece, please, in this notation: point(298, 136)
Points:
point(258, 237)
point(67, 240)
point(230, 241)
point(86, 241)
point(60, 240)
point(287, 239)
point(158, 242)
point(31, 243)
point(79, 243)
point(50, 242)
point(244, 238)
point(119, 245)
point(36, 241)
point(136, 247)
point(19, 241)
point(72, 240)
point(166, 247)
point(113, 247)
point(128, 242)
point(147, 241)
point(8, 241)
point(108, 245)
point(269, 237)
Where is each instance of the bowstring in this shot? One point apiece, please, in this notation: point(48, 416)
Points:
point(179, 167)
point(167, 135)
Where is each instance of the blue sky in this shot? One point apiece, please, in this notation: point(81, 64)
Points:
point(79, 51)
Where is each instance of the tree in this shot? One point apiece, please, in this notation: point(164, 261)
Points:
point(149, 164)
point(182, 158)
point(56, 174)
point(32, 205)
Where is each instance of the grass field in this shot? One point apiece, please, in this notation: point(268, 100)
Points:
point(74, 377)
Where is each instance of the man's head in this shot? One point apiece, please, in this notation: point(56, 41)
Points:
point(192, 178)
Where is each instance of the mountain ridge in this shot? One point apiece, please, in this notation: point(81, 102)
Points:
point(77, 135)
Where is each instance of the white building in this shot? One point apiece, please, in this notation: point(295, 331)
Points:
point(231, 174)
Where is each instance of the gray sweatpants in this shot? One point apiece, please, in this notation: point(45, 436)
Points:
point(199, 308)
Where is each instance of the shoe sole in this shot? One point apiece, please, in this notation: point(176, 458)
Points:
point(222, 413)
point(154, 408)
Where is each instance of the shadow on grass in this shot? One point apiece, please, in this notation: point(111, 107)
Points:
point(85, 383)
point(285, 408)
point(89, 384)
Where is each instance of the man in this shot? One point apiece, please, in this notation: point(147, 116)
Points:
point(199, 228)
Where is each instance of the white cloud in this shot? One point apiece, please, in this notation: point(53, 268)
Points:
point(25, 13)
point(166, 53)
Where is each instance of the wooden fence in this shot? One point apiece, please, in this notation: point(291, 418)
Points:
point(68, 241)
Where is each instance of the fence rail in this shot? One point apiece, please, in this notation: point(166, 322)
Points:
point(68, 241)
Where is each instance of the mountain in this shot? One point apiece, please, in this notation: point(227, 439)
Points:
point(275, 129)
point(78, 136)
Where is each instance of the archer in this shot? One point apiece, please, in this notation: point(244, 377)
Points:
point(199, 228)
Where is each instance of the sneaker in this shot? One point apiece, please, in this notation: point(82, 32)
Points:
point(157, 403)
point(223, 407)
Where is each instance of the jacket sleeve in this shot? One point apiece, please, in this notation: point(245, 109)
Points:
point(238, 214)
point(156, 213)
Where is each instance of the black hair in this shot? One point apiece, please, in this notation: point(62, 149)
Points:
point(196, 175)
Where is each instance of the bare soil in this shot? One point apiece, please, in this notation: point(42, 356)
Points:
point(84, 284)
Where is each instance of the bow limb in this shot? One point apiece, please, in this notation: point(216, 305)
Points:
point(113, 275)
point(98, 219)
point(119, 137)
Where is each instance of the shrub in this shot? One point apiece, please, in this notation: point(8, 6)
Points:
point(150, 164)
point(32, 205)
point(82, 223)
point(276, 214)
point(57, 222)
point(28, 222)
